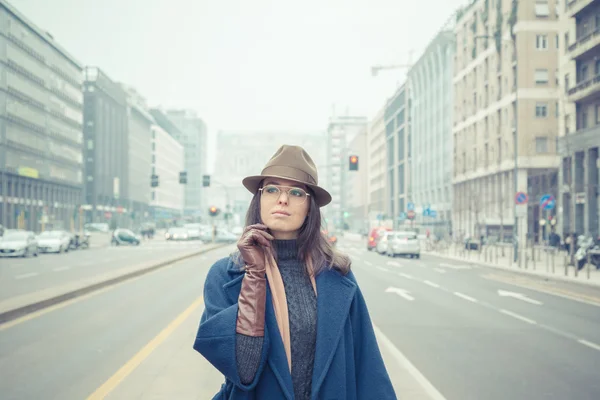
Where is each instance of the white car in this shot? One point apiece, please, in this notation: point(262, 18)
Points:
point(403, 243)
point(18, 243)
point(382, 243)
point(53, 241)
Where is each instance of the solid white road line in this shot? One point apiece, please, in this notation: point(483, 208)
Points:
point(404, 363)
point(25, 276)
point(519, 317)
point(464, 296)
point(435, 285)
point(589, 344)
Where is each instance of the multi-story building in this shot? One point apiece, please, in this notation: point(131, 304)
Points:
point(139, 167)
point(580, 119)
point(240, 154)
point(376, 175)
point(398, 148)
point(194, 139)
point(106, 188)
point(432, 95)
point(358, 195)
point(41, 117)
point(340, 132)
point(167, 200)
point(505, 115)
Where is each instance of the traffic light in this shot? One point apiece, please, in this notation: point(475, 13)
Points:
point(154, 181)
point(353, 163)
point(183, 177)
point(213, 211)
point(206, 180)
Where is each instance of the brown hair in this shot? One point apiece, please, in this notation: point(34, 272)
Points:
point(312, 244)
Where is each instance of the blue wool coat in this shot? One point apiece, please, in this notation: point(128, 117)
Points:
point(348, 364)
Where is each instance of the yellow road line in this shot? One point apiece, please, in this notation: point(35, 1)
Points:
point(114, 381)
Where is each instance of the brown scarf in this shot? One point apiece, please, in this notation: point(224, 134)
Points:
point(280, 301)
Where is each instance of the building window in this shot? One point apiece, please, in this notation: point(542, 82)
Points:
point(557, 110)
point(541, 8)
point(541, 145)
point(584, 73)
point(597, 117)
point(541, 42)
point(153, 195)
point(541, 76)
point(541, 110)
point(566, 42)
point(557, 41)
point(90, 144)
point(597, 67)
point(90, 178)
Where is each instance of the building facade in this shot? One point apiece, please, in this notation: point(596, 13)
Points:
point(194, 139)
point(41, 117)
point(358, 194)
point(340, 133)
point(167, 200)
point(376, 164)
point(580, 123)
point(398, 149)
point(139, 169)
point(505, 113)
point(105, 152)
point(432, 98)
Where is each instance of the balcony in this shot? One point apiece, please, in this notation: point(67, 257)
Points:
point(585, 44)
point(575, 7)
point(585, 89)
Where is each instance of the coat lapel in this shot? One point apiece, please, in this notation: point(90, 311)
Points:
point(334, 297)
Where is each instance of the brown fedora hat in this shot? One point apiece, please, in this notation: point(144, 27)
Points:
point(292, 163)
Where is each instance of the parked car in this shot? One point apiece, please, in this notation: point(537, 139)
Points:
point(125, 237)
point(194, 231)
point(18, 243)
point(54, 241)
point(403, 243)
point(382, 242)
point(374, 236)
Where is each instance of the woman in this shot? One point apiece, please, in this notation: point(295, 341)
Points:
point(284, 317)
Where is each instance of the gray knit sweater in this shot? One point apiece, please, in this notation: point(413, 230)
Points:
point(302, 310)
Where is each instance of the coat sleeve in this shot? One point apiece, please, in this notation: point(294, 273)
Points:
point(372, 379)
point(216, 337)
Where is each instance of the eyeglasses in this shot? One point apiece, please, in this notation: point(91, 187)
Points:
point(296, 196)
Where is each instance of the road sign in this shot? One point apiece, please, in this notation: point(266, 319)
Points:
point(410, 214)
point(402, 216)
point(433, 213)
point(521, 198)
point(410, 206)
point(426, 212)
point(547, 202)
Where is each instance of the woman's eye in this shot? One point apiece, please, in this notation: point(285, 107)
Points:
point(272, 189)
point(296, 192)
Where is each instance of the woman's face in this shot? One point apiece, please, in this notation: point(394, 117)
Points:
point(284, 206)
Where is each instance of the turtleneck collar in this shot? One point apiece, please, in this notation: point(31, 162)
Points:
point(286, 249)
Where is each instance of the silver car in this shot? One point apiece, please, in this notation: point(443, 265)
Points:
point(18, 244)
point(403, 243)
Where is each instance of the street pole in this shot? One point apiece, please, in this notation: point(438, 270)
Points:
point(516, 147)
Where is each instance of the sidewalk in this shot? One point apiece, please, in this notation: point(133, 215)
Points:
point(540, 263)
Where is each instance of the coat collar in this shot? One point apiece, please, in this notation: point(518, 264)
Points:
point(335, 293)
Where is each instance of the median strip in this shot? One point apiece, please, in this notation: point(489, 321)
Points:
point(12, 309)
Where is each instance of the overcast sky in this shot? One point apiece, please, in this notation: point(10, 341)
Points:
point(248, 64)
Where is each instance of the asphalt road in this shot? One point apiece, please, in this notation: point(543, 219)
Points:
point(23, 276)
point(472, 333)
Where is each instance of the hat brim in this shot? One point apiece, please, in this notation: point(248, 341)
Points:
point(322, 196)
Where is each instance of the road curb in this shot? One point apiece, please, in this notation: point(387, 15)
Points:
point(558, 278)
point(21, 311)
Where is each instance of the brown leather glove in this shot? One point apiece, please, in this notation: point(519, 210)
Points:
point(253, 244)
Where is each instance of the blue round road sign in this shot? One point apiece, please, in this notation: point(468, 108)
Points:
point(521, 198)
point(547, 202)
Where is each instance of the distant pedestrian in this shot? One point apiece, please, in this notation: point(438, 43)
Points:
point(263, 327)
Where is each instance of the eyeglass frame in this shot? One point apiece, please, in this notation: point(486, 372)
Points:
point(286, 191)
